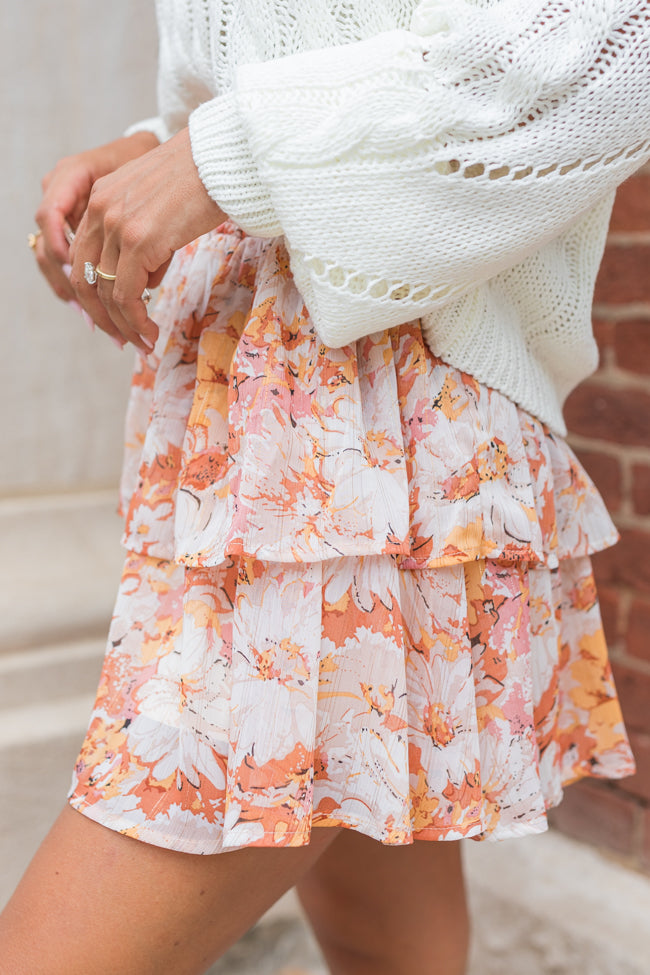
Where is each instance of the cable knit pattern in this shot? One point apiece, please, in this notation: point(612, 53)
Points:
point(452, 160)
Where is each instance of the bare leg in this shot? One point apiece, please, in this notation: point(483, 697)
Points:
point(379, 910)
point(93, 902)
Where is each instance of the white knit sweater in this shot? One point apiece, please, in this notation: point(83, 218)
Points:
point(449, 160)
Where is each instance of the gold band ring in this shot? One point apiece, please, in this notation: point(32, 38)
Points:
point(91, 273)
point(104, 276)
point(32, 239)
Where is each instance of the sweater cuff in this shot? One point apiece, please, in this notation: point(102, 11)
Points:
point(226, 166)
point(154, 125)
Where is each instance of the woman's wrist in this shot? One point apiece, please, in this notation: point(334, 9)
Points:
point(141, 142)
point(109, 157)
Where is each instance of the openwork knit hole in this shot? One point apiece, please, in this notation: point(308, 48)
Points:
point(475, 170)
point(379, 289)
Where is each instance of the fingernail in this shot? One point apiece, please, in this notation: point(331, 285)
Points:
point(88, 320)
point(67, 270)
point(118, 342)
point(76, 306)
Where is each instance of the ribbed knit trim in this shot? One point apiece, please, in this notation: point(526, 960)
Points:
point(226, 166)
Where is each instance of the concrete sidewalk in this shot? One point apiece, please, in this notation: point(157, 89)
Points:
point(541, 906)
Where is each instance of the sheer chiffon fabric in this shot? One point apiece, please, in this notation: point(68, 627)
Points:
point(357, 592)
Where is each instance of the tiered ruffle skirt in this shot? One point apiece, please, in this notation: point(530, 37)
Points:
point(357, 592)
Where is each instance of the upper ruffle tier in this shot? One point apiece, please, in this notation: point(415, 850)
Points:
point(247, 436)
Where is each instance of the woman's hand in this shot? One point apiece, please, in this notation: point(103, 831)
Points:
point(136, 218)
point(66, 191)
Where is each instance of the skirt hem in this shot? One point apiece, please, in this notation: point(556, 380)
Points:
point(475, 831)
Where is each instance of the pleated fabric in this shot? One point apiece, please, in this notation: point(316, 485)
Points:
point(357, 592)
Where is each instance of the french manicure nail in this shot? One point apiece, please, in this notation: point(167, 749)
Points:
point(77, 307)
point(67, 270)
point(87, 319)
point(118, 342)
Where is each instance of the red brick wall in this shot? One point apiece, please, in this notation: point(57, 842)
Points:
point(609, 423)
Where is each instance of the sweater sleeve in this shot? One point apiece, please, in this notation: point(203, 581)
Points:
point(406, 169)
point(184, 74)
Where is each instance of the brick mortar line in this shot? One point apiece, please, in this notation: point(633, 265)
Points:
point(625, 517)
point(625, 598)
point(618, 378)
point(614, 651)
point(625, 239)
point(627, 485)
point(607, 360)
point(644, 734)
point(638, 832)
point(637, 664)
point(633, 453)
point(628, 509)
point(629, 521)
point(621, 313)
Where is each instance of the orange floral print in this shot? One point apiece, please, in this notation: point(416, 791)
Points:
point(358, 590)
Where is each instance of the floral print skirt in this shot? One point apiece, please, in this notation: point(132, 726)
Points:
point(357, 591)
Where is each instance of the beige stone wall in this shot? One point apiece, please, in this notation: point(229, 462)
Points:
point(72, 74)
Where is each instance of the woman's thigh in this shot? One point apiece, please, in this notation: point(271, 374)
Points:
point(386, 910)
point(93, 902)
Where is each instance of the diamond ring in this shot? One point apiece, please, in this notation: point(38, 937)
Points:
point(92, 274)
